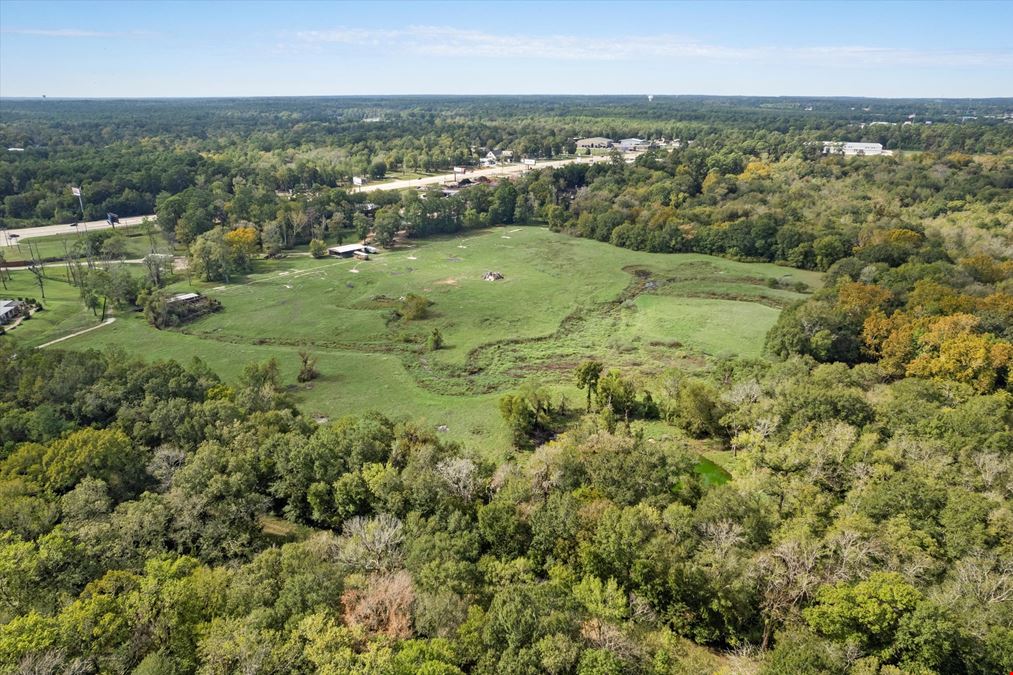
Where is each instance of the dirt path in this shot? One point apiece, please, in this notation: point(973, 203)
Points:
point(80, 332)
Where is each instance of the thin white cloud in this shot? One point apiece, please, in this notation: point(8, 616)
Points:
point(450, 41)
point(70, 33)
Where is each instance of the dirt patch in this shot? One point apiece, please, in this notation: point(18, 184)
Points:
point(449, 281)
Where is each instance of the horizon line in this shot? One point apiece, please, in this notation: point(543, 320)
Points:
point(46, 97)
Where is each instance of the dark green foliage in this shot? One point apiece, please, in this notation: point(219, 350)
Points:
point(435, 340)
point(529, 415)
point(154, 519)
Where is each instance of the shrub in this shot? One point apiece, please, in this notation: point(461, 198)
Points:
point(307, 369)
point(414, 307)
point(435, 340)
point(318, 249)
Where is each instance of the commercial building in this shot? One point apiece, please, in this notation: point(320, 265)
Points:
point(854, 149)
point(631, 144)
point(596, 142)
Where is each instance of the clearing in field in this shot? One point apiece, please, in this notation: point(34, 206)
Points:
point(561, 300)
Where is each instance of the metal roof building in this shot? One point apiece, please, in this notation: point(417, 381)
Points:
point(595, 142)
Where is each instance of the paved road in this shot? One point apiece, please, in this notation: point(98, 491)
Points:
point(49, 230)
point(505, 170)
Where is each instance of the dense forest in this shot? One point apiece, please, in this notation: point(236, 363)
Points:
point(156, 518)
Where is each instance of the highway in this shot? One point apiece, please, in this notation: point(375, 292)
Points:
point(49, 230)
point(494, 171)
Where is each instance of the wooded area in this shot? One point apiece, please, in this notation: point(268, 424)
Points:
point(157, 518)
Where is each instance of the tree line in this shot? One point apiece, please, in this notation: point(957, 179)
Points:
point(125, 154)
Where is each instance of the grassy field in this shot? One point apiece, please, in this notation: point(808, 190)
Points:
point(562, 300)
point(62, 314)
point(57, 246)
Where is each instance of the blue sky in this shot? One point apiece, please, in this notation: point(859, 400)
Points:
point(140, 49)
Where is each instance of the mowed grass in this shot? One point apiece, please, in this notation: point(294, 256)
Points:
point(562, 300)
point(712, 326)
point(62, 314)
point(57, 246)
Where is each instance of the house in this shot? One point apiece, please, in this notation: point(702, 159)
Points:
point(360, 251)
point(596, 142)
point(854, 149)
point(10, 310)
point(494, 158)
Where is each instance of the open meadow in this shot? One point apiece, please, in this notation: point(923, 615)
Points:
point(561, 300)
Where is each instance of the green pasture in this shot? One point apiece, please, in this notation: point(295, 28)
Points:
point(562, 300)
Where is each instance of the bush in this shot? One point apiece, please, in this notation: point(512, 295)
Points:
point(308, 367)
point(318, 249)
point(435, 340)
point(414, 307)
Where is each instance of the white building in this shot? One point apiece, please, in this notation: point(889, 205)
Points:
point(494, 157)
point(854, 149)
point(10, 310)
point(630, 144)
point(351, 250)
point(183, 297)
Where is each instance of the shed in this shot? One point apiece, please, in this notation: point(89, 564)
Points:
point(351, 250)
point(183, 298)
